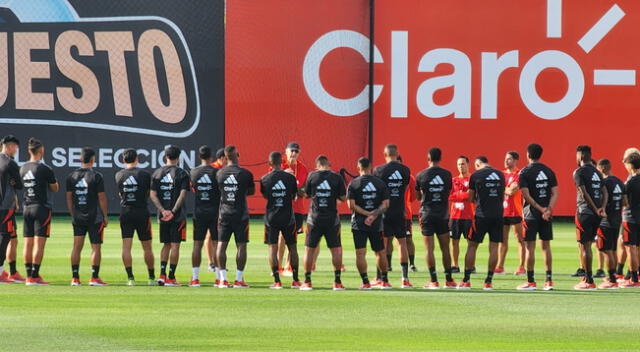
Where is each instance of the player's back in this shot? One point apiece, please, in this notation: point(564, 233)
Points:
point(324, 187)
point(205, 187)
point(235, 183)
point(279, 188)
point(588, 176)
point(36, 177)
point(396, 177)
point(133, 187)
point(435, 184)
point(10, 181)
point(84, 185)
point(489, 184)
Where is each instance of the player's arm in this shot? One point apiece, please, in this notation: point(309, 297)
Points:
point(180, 201)
point(102, 200)
point(583, 190)
point(471, 195)
point(70, 202)
point(53, 183)
point(512, 189)
point(529, 199)
point(251, 186)
point(356, 208)
point(14, 176)
point(605, 200)
point(625, 201)
point(377, 212)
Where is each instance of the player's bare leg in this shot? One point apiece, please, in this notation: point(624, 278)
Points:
point(78, 243)
point(519, 234)
point(469, 263)
point(503, 248)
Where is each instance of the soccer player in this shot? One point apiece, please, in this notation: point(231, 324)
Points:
point(85, 194)
point(39, 181)
point(368, 200)
point(539, 188)
point(461, 210)
point(591, 203)
point(396, 176)
point(631, 218)
point(512, 214)
point(486, 188)
point(434, 186)
point(211, 240)
point(280, 189)
point(134, 185)
point(410, 197)
point(205, 213)
point(325, 188)
point(169, 187)
point(610, 225)
point(622, 250)
point(10, 183)
point(235, 184)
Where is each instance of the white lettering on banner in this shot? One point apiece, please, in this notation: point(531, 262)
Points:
point(109, 158)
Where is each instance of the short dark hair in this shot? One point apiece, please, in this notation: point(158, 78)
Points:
point(204, 152)
point(34, 145)
point(585, 152)
point(535, 151)
point(364, 163)
point(605, 164)
point(129, 155)
point(172, 152)
point(391, 149)
point(86, 154)
point(322, 160)
point(231, 152)
point(10, 139)
point(399, 158)
point(463, 157)
point(220, 153)
point(275, 158)
point(514, 155)
point(634, 160)
point(435, 154)
point(482, 159)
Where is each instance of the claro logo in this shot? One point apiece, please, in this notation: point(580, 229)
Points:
point(125, 74)
point(492, 66)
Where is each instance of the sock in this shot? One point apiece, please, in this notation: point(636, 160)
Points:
point(405, 271)
point(75, 271)
point(365, 278)
point(35, 272)
point(29, 268)
point(172, 271)
point(294, 271)
point(129, 271)
point(217, 271)
point(412, 260)
point(548, 275)
point(434, 275)
point(95, 271)
point(336, 276)
point(152, 273)
point(467, 275)
point(307, 277)
point(239, 275)
point(276, 274)
point(612, 275)
point(628, 276)
point(378, 274)
point(634, 276)
point(195, 273)
point(389, 260)
point(12, 268)
point(620, 269)
point(489, 277)
point(163, 268)
point(383, 277)
point(1, 269)
point(530, 276)
point(447, 274)
point(223, 275)
point(589, 277)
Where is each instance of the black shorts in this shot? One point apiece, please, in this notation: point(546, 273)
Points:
point(512, 220)
point(375, 239)
point(37, 221)
point(534, 228)
point(481, 226)
point(8, 224)
point(434, 226)
point(272, 234)
point(136, 220)
point(173, 231)
point(630, 234)
point(408, 227)
point(394, 227)
point(96, 232)
point(331, 234)
point(586, 227)
point(607, 238)
point(460, 227)
point(299, 222)
point(203, 223)
point(239, 229)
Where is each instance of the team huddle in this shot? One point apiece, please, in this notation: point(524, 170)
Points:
point(486, 203)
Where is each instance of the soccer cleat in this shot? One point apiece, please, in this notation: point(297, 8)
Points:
point(17, 278)
point(97, 282)
point(406, 284)
point(414, 269)
point(296, 284)
point(162, 279)
point(450, 285)
point(520, 271)
point(211, 268)
point(464, 285)
point(629, 284)
point(619, 278)
point(224, 284)
point(584, 286)
point(37, 281)
point(276, 286)
point(578, 273)
point(338, 287)
point(240, 284)
point(499, 271)
point(216, 283)
point(152, 282)
point(487, 286)
point(342, 268)
point(306, 287)
point(194, 283)
point(376, 283)
point(4, 278)
point(385, 285)
point(365, 287)
point(608, 285)
point(171, 283)
point(548, 286)
point(132, 282)
point(75, 282)
point(527, 286)
point(455, 270)
point(600, 274)
point(432, 286)
point(287, 272)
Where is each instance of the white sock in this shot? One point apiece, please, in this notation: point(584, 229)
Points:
point(217, 271)
point(223, 275)
point(238, 275)
point(1, 268)
point(195, 273)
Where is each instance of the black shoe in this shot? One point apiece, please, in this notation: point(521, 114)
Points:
point(473, 270)
point(578, 273)
point(455, 270)
point(600, 273)
point(414, 269)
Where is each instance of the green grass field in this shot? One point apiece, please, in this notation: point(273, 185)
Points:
point(119, 318)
